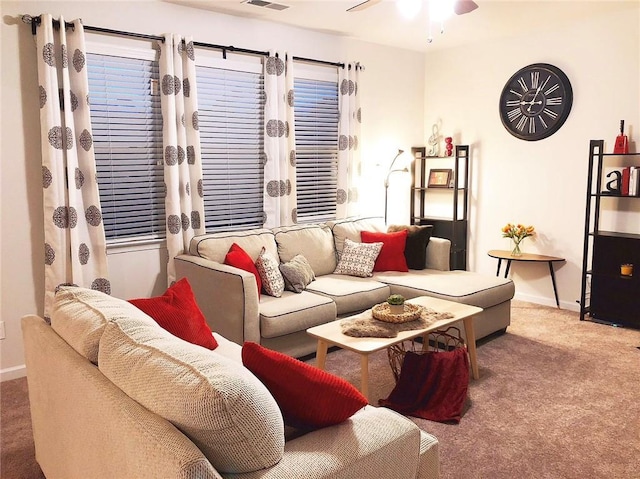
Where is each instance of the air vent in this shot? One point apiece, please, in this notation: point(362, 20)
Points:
point(262, 3)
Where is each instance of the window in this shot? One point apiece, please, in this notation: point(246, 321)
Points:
point(127, 127)
point(231, 118)
point(316, 117)
point(127, 131)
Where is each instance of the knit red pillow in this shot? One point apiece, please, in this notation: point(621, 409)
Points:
point(239, 258)
point(177, 312)
point(308, 397)
point(391, 257)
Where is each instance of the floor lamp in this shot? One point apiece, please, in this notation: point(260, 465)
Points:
point(386, 181)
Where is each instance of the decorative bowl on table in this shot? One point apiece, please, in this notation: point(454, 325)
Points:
point(383, 312)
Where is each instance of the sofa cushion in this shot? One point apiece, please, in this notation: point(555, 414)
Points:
point(177, 312)
point(297, 273)
point(350, 293)
point(465, 287)
point(216, 402)
point(80, 315)
point(314, 242)
point(215, 246)
point(391, 257)
point(415, 251)
point(358, 259)
point(350, 228)
point(308, 397)
point(239, 258)
point(294, 312)
point(270, 275)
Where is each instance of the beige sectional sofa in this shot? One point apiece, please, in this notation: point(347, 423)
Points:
point(229, 299)
point(113, 395)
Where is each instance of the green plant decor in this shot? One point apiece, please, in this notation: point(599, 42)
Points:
point(395, 299)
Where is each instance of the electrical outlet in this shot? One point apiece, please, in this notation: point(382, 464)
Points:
point(1, 329)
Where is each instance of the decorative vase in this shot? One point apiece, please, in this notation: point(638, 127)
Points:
point(396, 308)
point(516, 249)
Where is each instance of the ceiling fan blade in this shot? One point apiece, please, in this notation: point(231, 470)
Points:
point(464, 6)
point(363, 5)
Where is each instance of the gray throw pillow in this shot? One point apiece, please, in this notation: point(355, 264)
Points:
point(297, 273)
point(415, 250)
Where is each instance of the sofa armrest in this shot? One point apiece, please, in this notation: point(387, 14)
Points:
point(438, 254)
point(374, 442)
point(227, 296)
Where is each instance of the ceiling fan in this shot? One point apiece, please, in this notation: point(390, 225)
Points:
point(460, 7)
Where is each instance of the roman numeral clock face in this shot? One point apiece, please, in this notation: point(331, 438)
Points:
point(536, 102)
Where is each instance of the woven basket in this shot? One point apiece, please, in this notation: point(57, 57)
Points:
point(440, 340)
point(382, 312)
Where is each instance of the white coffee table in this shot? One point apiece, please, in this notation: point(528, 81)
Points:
point(330, 334)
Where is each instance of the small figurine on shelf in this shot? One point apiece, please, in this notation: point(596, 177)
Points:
point(434, 140)
point(622, 142)
point(448, 145)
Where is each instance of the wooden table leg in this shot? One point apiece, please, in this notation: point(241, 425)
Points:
point(553, 282)
point(364, 375)
point(471, 346)
point(321, 354)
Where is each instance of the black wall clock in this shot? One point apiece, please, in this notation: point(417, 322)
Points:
point(536, 101)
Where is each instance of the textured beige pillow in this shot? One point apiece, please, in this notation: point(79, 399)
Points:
point(80, 315)
point(297, 274)
point(216, 402)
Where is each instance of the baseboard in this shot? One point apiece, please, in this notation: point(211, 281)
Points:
point(13, 373)
point(547, 302)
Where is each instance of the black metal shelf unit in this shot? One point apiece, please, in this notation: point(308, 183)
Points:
point(611, 297)
point(454, 227)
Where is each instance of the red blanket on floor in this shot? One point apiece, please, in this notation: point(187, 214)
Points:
point(431, 385)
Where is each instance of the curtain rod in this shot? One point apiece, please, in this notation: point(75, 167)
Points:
point(35, 22)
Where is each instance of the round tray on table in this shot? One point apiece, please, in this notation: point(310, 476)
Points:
point(382, 312)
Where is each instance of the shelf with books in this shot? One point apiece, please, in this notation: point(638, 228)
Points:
point(440, 197)
point(606, 293)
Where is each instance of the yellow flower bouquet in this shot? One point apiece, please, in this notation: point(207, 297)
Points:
point(517, 233)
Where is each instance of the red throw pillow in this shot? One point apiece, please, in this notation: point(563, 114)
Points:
point(308, 397)
point(177, 312)
point(239, 258)
point(391, 257)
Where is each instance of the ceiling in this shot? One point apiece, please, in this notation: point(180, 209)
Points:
point(383, 24)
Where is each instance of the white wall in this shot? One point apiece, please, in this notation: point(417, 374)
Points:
point(541, 183)
point(393, 113)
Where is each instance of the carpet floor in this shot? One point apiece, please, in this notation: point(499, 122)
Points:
point(557, 398)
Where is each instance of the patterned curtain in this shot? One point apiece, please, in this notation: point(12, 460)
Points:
point(280, 204)
point(348, 143)
point(184, 202)
point(75, 245)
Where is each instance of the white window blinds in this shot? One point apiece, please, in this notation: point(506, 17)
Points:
point(316, 123)
point(231, 116)
point(127, 132)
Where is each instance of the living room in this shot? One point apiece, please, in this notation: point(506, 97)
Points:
point(404, 92)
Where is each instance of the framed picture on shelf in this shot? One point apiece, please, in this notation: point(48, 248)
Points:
point(439, 178)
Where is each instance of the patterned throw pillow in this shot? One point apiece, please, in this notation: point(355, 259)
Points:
point(297, 273)
point(358, 259)
point(272, 280)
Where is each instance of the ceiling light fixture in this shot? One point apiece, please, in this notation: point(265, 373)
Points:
point(409, 9)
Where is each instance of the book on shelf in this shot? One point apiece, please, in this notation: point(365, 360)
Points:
point(622, 181)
